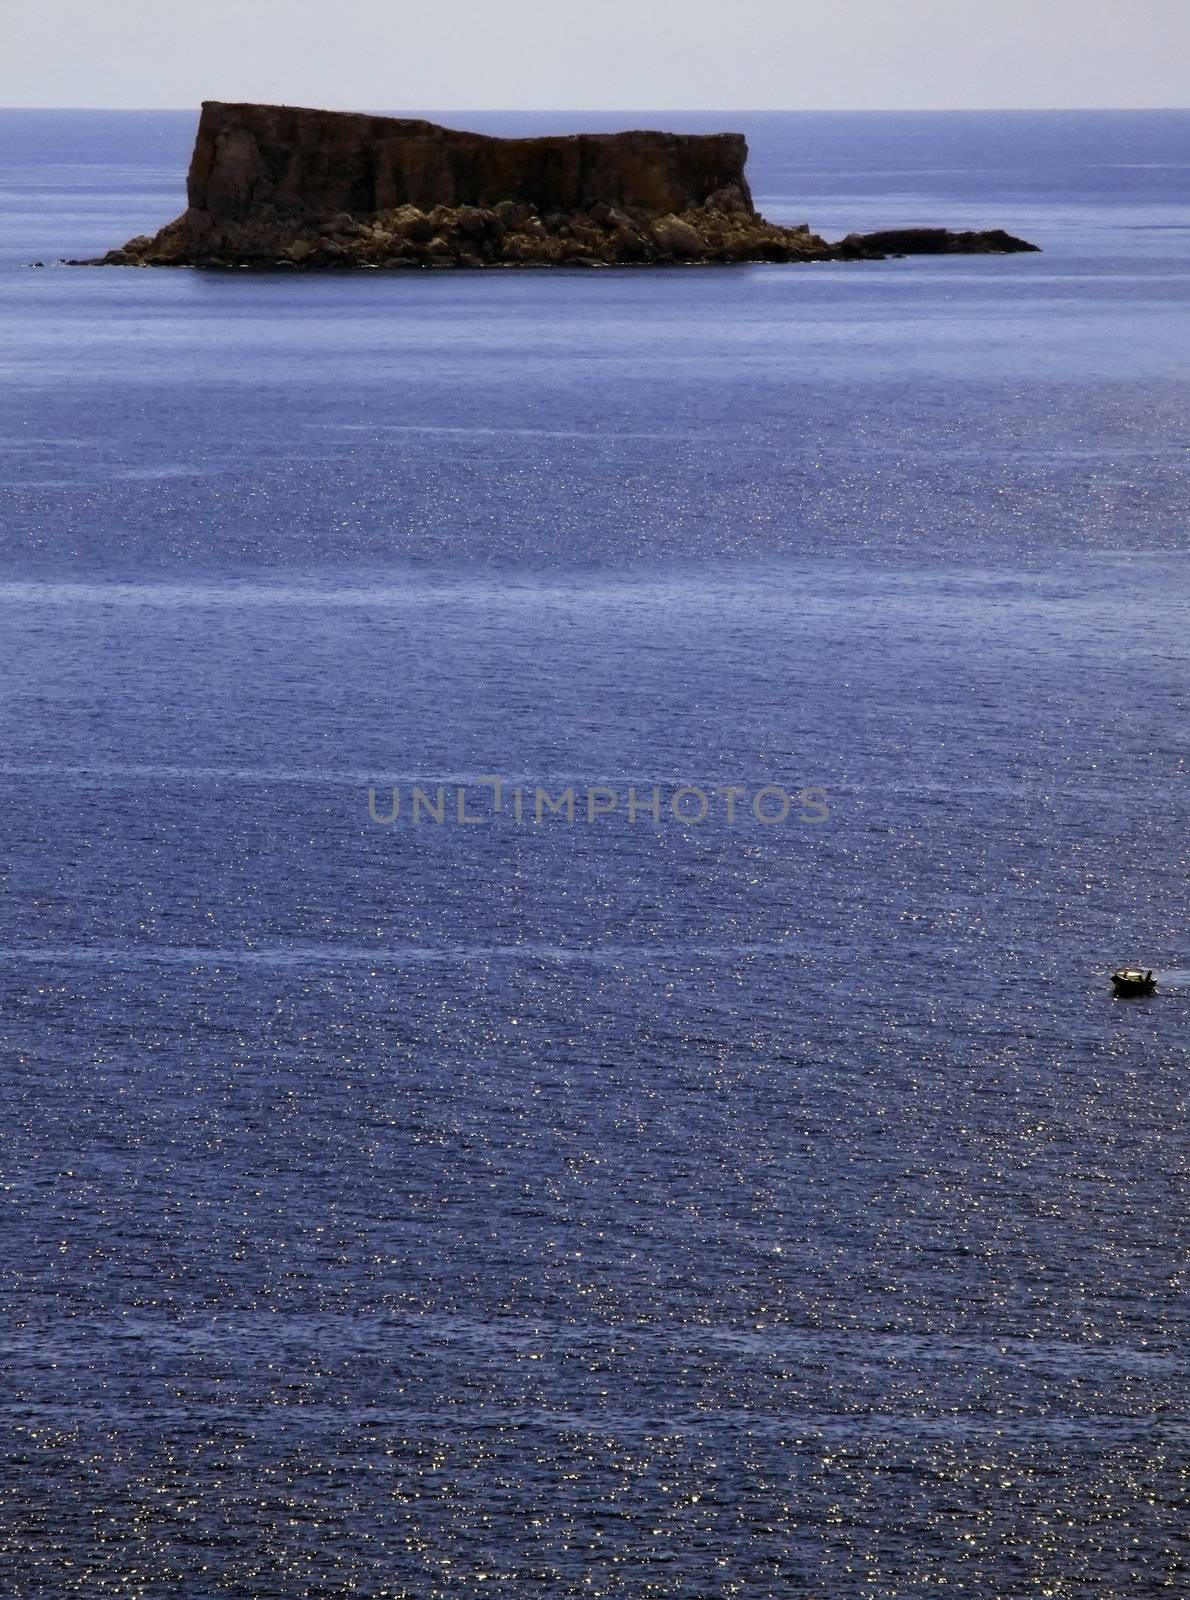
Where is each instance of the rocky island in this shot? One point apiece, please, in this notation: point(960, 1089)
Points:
point(285, 187)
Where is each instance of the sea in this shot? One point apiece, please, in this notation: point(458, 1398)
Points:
point(730, 1175)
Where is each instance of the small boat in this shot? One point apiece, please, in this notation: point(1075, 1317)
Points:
point(1131, 981)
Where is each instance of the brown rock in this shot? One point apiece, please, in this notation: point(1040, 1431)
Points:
point(247, 156)
point(932, 242)
point(275, 185)
point(678, 238)
point(627, 245)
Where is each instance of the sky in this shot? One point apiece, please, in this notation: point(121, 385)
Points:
point(597, 55)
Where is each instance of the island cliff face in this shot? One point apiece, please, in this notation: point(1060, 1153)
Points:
point(281, 186)
point(327, 162)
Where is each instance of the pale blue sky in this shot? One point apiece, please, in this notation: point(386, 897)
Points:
point(600, 54)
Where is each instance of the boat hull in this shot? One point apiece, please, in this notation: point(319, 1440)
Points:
point(1131, 985)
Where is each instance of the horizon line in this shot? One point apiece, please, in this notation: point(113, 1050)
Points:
point(615, 111)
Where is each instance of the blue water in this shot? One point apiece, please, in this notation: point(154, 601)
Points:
point(599, 1208)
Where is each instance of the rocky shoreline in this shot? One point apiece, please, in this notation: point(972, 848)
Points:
point(515, 235)
point(284, 188)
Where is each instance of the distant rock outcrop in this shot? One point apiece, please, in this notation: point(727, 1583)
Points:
point(280, 186)
point(930, 242)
